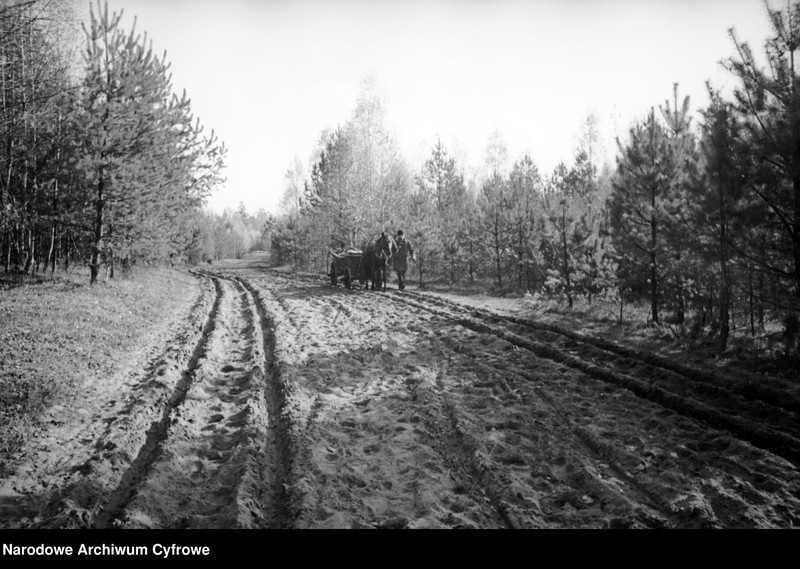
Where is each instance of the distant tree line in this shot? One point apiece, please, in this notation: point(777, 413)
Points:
point(693, 218)
point(101, 164)
point(227, 235)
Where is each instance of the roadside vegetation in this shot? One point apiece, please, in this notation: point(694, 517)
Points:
point(102, 165)
point(57, 332)
point(697, 218)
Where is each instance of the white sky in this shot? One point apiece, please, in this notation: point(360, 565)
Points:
point(270, 75)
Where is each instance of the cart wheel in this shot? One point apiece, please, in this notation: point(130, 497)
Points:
point(348, 283)
point(334, 280)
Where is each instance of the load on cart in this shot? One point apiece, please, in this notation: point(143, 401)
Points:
point(370, 264)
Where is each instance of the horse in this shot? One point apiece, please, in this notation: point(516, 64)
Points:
point(377, 255)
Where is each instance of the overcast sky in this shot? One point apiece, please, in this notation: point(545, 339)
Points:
point(270, 75)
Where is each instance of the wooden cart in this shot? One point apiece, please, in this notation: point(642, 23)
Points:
point(349, 264)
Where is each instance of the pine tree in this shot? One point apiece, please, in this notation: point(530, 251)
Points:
point(145, 160)
point(768, 102)
point(525, 216)
point(443, 186)
point(494, 204)
point(328, 200)
point(642, 202)
point(594, 264)
point(678, 242)
point(419, 217)
point(581, 193)
point(568, 222)
point(720, 187)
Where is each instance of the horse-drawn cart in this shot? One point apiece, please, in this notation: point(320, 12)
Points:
point(349, 264)
point(368, 264)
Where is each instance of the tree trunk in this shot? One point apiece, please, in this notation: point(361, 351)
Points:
point(37, 252)
point(520, 260)
point(5, 250)
point(30, 240)
point(497, 249)
point(680, 312)
point(452, 271)
point(653, 265)
point(761, 300)
point(97, 244)
point(110, 256)
point(653, 287)
point(796, 236)
point(471, 262)
point(711, 304)
point(51, 256)
point(751, 300)
point(791, 330)
point(69, 239)
point(724, 307)
point(565, 257)
point(51, 253)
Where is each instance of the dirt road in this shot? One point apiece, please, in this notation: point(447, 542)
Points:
point(279, 401)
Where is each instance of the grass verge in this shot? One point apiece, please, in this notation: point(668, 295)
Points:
point(57, 332)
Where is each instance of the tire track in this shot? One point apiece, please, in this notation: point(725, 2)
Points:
point(281, 499)
point(631, 491)
point(204, 461)
point(763, 436)
point(771, 392)
point(400, 415)
point(372, 424)
point(101, 450)
point(130, 481)
point(570, 451)
point(470, 453)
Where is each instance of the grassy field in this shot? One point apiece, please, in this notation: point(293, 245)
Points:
point(55, 332)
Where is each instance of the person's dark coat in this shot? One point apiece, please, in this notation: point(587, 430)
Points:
point(400, 257)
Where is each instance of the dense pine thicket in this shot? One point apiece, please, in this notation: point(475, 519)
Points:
point(101, 164)
point(699, 219)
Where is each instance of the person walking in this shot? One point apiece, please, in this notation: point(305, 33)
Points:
point(400, 258)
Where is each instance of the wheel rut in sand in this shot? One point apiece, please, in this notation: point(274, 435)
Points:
point(100, 431)
point(207, 461)
point(775, 395)
point(625, 488)
point(376, 448)
point(539, 435)
point(135, 474)
point(277, 402)
point(278, 496)
point(748, 422)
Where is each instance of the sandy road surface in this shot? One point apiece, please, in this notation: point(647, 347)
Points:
point(283, 401)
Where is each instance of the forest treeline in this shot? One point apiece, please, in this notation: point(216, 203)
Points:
point(102, 166)
point(101, 163)
point(697, 218)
